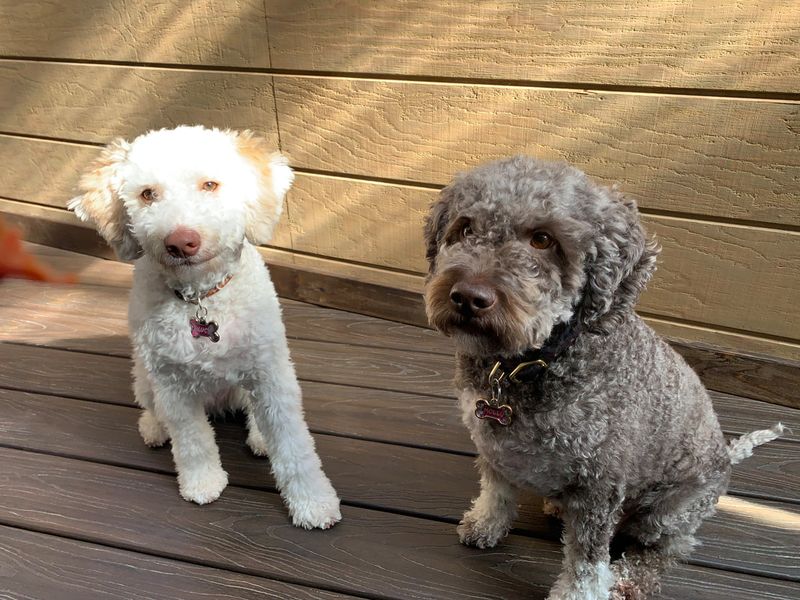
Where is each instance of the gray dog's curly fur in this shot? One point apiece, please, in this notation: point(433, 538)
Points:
point(619, 433)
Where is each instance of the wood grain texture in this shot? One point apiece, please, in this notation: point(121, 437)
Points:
point(767, 379)
point(203, 32)
point(433, 486)
point(705, 156)
point(340, 292)
point(360, 221)
point(370, 552)
point(89, 376)
point(731, 342)
point(42, 312)
point(664, 43)
point(773, 472)
point(92, 270)
point(94, 103)
point(42, 171)
point(38, 566)
point(737, 277)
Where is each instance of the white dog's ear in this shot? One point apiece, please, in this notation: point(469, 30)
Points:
point(101, 205)
point(276, 178)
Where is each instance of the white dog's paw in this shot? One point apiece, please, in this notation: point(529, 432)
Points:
point(481, 532)
point(202, 485)
point(315, 508)
point(153, 433)
point(316, 514)
point(256, 442)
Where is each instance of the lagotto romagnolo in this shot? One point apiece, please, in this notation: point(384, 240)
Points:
point(189, 204)
point(534, 272)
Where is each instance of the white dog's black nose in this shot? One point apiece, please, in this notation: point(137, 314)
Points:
point(182, 242)
point(472, 298)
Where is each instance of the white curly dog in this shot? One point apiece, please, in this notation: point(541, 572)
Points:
point(189, 204)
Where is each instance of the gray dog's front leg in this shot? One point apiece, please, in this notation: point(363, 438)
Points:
point(492, 513)
point(589, 523)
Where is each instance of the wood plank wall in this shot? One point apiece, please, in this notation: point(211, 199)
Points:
point(692, 106)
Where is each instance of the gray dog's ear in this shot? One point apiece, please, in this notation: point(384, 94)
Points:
point(101, 205)
point(435, 225)
point(618, 267)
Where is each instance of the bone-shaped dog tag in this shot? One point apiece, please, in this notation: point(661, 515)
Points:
point(203, 328)
point(502, 414)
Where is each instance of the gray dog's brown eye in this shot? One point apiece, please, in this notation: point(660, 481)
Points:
point(210, 186)
point(148, 195)
point(541, 240)
point(466, 231)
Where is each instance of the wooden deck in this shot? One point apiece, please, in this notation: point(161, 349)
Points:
point(87, 511)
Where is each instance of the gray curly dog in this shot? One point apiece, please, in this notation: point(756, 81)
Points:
point(534, 272)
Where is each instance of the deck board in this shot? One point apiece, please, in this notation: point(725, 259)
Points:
point(85, 506)
point(40, 566)
point(370, 552)
point(415, 484)
point(773, 472)
point(304, 321)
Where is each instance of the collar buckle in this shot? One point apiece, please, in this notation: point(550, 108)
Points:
point(524, 365)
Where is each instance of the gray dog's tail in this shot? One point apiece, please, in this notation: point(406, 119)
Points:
point(742, 447)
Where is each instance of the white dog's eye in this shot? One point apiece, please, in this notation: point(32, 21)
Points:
point(210, 186)
point(541, 240)
point(466, 231)
point(149, 195)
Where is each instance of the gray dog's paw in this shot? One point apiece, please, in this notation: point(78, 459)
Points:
point(481, 533)
point(626, 590)
point(552, 508)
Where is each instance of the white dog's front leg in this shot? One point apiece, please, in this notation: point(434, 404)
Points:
point(152, 431)
point(201, 477)
point(278, 413)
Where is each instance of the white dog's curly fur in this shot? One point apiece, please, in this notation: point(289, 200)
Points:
point(224, 190)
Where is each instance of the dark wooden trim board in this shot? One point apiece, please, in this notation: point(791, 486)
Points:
point(760, 377)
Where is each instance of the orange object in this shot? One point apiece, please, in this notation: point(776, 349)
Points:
point(16, 262)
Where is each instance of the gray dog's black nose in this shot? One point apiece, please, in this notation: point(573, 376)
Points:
point(471, 298)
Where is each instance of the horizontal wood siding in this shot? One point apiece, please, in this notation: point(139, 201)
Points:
point(200, 32)
point(94, 103)
point(661, 43)
point(719, 157)
point(693, 108)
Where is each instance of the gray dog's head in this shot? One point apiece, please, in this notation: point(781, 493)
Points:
point(518, 245)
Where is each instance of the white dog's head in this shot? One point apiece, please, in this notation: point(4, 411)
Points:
point(187, 197)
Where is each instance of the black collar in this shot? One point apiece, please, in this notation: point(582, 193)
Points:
point(532, 364)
